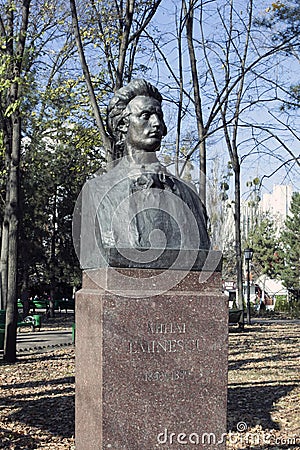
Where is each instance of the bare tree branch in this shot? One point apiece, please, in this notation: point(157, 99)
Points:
point(105, 138)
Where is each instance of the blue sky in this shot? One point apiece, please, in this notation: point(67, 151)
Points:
point(266, 153)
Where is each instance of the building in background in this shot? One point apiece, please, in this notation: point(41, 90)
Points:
point(277, 204)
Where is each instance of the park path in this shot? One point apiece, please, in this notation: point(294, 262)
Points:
point(43, 340)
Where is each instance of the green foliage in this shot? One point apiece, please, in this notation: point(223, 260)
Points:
point(61, 144)
point(282, 304)
point(61, 153)
point(262, 239)
point(53, 174)
point(289, 306)
point(288, 260)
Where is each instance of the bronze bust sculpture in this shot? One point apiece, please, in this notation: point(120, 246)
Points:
point(137, 205)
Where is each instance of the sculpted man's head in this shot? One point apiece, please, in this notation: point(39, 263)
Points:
point(135, 119)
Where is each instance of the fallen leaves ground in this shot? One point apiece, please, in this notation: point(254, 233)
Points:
point(264, 391)
point(37, 404)
point(37, 394)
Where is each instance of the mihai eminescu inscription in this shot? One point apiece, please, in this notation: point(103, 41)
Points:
point(166, 344)
point(170, 337)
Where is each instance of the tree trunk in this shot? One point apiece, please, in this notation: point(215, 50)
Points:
point(4, 258)
point(16, 38)
point(5, 225)
point(10, 344)
point(53, 261)
point(51, 301)
point(197, 101)
point(238, 245)
point(92, 96)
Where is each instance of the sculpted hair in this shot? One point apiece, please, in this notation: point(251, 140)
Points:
point(118, 104)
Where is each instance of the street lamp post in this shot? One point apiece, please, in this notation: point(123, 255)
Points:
point(248, 253)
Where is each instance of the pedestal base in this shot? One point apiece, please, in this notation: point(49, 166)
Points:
point(151, 372)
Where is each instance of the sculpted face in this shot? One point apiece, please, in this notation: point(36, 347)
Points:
point(144, 125)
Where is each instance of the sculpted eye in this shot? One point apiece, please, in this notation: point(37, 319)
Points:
point(145, 115)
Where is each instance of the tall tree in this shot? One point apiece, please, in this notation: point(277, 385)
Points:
point(13, 37)
point(262, 239)
point(288, 258)
point(27, 27)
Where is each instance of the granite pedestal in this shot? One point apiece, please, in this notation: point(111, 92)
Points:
point(151, 366)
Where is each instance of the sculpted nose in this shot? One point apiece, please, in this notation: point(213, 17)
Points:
point(155, 120)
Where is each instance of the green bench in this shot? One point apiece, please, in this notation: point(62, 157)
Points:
point(35, 304)
point(30, 321)
point(40, 303)
point(236, 316)
point(58, 304)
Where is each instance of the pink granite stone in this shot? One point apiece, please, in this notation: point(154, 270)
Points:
point(149, 281)
point(151, 369)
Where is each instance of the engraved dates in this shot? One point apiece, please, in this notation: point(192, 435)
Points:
point(167, 375)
